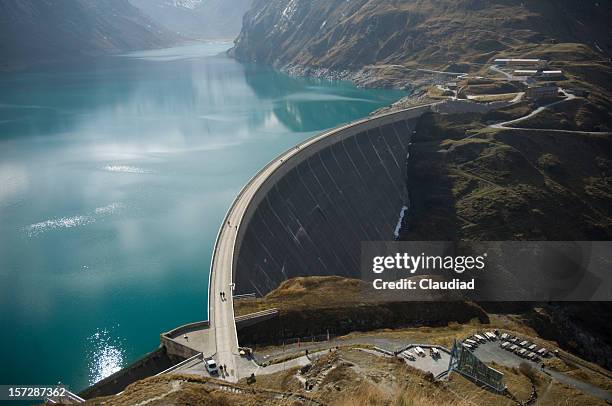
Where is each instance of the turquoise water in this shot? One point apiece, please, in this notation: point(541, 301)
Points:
point(114, 177)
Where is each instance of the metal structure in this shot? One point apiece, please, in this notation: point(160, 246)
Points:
point(468, 365)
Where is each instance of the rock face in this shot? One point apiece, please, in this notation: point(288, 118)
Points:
point(42, 30)
point(197, 18)
point(347, 35)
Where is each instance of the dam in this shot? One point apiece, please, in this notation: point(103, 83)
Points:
point(311, 214)
point(305, 213)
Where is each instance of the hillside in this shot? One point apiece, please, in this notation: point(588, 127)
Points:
point(474, 182)
point(318, 305)
point(501, 185)
point(321, 35)
point(43, 30)
point(209, 19)
point(349, 370)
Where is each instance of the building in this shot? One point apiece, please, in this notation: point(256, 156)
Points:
point(525, 72)
point(520, 62)
point(542, 92)
point(552, 74)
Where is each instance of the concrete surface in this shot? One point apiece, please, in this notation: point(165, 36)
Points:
point(200, 340)
point(427, 363)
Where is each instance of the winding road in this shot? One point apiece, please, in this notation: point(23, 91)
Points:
point(507, 125)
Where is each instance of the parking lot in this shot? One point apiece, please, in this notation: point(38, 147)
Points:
point(492, 352)
point(427, 363)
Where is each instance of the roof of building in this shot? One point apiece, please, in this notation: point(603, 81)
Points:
point(544, 87)
point(517, 60)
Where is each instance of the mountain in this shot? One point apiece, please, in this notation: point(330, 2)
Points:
point(42, 30)
point(212, 19)
point(340, 35)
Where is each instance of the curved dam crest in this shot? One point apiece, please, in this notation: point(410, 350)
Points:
point(309, 216)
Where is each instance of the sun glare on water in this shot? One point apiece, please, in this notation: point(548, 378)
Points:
point(105, 356)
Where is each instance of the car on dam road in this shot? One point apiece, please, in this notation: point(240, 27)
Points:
point(211, 367)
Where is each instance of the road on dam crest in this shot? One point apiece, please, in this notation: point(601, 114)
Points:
point(221, 309)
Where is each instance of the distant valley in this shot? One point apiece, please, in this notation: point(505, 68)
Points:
point(44, 30)
point(209, 19)
point(35, 31)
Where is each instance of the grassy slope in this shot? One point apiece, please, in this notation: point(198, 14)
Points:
point(318, 305)
point(344, 387)
point(356, 378)
point(508, 184)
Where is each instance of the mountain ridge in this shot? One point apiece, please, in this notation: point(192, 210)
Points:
point(33, 31)
point(338, 36)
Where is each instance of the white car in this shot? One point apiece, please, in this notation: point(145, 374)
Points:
point(211, 367)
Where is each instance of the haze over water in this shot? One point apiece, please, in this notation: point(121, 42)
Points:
point(115, 175)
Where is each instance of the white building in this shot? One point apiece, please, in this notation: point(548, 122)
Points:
point(520, 62)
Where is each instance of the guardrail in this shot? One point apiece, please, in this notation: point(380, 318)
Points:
point(186, 328)
point(182, 363)
point(263, 313)
point(245, 296)
point(384, 351)
point(254, 318)
point(69, 396)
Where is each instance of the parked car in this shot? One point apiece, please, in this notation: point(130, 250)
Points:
point(471, 342)
point(211, 367)
point(409, 355)
point(542, 352)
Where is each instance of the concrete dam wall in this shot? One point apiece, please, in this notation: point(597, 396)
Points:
point(311, 214)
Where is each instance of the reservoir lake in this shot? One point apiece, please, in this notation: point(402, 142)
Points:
point(115, 175)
